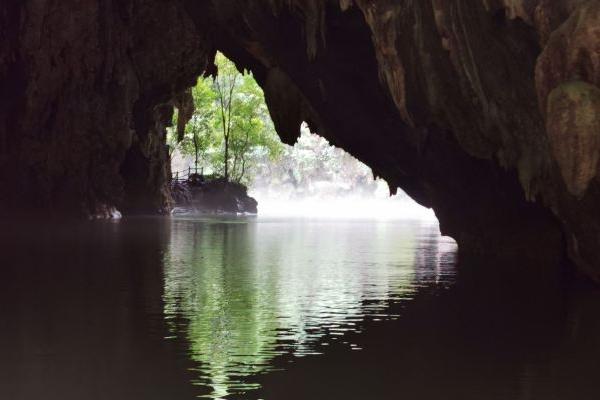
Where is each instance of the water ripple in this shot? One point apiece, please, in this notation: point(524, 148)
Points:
point(252, 291)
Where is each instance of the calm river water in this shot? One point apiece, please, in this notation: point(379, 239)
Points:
point(247, 308)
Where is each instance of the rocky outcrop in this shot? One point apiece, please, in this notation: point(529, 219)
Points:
point(485, 110)
point(216, 196)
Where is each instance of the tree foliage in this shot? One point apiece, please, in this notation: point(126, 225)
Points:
point(231, 129)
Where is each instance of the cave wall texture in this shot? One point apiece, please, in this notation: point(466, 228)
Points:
point(488, 111)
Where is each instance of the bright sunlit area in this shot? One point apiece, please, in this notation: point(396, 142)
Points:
point(315, 179)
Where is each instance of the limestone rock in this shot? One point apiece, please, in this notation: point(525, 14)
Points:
point(216, 196)
point(573, 125)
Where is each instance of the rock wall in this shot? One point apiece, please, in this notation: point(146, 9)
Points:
point(485, 110)
point(81, 126)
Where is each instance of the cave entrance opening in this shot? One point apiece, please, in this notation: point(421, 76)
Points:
point(230, 137)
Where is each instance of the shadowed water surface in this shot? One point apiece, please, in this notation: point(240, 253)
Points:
point(279, 309)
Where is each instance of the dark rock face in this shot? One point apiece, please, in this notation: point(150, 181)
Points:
point(81, 121)
point(487, 111)
point(218, 196)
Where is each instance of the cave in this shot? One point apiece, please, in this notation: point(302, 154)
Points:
point(485, 111)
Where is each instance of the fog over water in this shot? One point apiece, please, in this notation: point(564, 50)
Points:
point(314, 179)
point(380, 206)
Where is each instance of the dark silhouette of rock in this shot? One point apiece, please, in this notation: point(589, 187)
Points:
point(215, 196)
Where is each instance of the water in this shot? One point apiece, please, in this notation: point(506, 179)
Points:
point(276, 308)
point(253, 291)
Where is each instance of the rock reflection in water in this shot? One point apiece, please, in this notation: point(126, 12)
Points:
point(254, 290)
point(81, 313)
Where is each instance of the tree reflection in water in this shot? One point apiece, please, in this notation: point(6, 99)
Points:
point(251, 290)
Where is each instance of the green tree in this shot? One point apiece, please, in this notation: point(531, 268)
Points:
point(252, 130)
point(231, 130)
point(200, 126)
point(225, 86)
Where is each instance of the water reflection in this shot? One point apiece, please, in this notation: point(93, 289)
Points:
point(253, 290)
point(85, 310)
